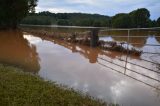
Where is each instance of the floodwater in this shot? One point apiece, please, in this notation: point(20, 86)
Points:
point(114, 77)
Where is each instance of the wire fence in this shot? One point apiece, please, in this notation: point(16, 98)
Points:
point(106, 63)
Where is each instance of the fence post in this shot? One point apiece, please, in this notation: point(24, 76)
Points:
point(127, 51)
point(94, 38)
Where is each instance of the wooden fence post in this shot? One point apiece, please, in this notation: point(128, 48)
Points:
point(94, 38)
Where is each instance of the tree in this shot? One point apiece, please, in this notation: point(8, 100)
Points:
point(158, 21)
point(75, 19)
point(13, 11)
point(121, 21)
point(37, 20)
point(140, 17)
point(152, 23)
point(63, 22)
point(62, 16)
point(97, 24)
point(136, 18)
point(46, 13)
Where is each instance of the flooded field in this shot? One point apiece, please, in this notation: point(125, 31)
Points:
point(111, 76)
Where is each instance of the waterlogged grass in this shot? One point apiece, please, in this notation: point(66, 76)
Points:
point(23, 89)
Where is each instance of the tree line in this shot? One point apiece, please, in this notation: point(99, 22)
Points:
point(70, 19)
point(136, 19)
point(15, 12)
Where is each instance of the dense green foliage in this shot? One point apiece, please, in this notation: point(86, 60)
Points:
point(135, 19)
point(158, 22)
point(74, 19)
point(21, 89)
point(140, 17)
point(41, 20)
point(121, 21)
point(13, 11)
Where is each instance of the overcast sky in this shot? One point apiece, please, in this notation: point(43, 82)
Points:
point(104, 7)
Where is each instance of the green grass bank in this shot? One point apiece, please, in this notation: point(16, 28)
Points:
point(18, 88)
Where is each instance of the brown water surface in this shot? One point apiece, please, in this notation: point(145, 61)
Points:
point(111, 76)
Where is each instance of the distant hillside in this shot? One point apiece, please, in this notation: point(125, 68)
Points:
point(136, 19)
point(74, 19)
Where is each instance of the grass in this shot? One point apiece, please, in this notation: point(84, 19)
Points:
point(18, 88)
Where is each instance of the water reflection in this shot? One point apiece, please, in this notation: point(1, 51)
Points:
point(90, 70)
point(75, 68)
point(137, 38)
point(16, 50)
point(89, 52)
point(118, 60)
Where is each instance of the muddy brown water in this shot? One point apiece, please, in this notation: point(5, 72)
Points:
point(111, 76)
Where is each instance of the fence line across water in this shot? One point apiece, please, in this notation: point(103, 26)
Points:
point(134, 64)
point(129, 37)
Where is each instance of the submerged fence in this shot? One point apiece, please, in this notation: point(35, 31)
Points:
point(126, 60)
point(107, 62)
